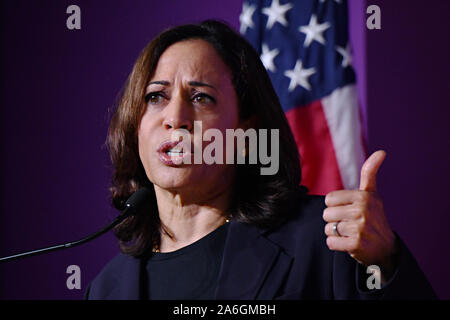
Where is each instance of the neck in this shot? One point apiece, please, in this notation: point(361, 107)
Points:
point(183, 223)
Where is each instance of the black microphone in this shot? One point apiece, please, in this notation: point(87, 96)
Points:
point(134, 202)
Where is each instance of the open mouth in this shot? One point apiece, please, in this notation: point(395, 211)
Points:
point(172, 152)
point(175, 153)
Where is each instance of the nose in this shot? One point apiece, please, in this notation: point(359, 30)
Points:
point(178, 115)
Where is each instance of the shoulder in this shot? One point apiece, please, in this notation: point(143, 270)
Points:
point(115, 266)
point(308, 213)
point(304, 228)
point(105, 284)
point(310, 208)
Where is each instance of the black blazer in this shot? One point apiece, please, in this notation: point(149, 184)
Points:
point(289, 261)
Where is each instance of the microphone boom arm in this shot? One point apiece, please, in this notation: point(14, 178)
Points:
point(133, 203)
point(118, 220)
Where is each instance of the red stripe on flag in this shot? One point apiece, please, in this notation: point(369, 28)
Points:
point(320, 171)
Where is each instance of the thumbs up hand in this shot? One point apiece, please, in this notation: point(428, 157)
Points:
point(357, 223)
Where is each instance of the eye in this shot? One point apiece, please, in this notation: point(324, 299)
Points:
point(203, 98)
point(154, 97)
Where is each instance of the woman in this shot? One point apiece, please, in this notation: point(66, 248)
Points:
point(222, 230)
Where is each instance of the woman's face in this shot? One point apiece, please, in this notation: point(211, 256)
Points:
point(190, 83)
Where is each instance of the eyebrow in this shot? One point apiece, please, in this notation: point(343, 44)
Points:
point(191, 83)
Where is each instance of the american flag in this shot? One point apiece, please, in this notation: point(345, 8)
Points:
point(304, 46)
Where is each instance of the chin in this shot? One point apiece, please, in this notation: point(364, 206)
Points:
point(171, 178)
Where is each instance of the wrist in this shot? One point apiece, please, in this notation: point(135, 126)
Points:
point(389, 264)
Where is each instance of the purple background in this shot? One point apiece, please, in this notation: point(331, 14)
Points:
point(57, 86)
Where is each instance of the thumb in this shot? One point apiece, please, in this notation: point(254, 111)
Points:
point(369, 171)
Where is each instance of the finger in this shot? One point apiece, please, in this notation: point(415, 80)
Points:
point(341, 197)
point(344, 229)
point(333, 214)
point(329, 229)
point(341, 243)
point(369, 171)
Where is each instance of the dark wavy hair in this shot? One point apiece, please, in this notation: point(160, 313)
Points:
point(261, 200)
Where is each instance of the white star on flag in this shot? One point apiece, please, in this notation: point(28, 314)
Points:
point(267, 57)
point(275, 13)
point(299, 76)
point(314, 31)
point(246, 17)
point(346, 55)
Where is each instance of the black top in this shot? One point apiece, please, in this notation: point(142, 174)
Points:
point(187, 273)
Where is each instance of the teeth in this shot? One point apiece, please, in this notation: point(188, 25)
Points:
point(174, 153)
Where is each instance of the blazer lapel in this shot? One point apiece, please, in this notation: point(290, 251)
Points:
point(252, 267)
